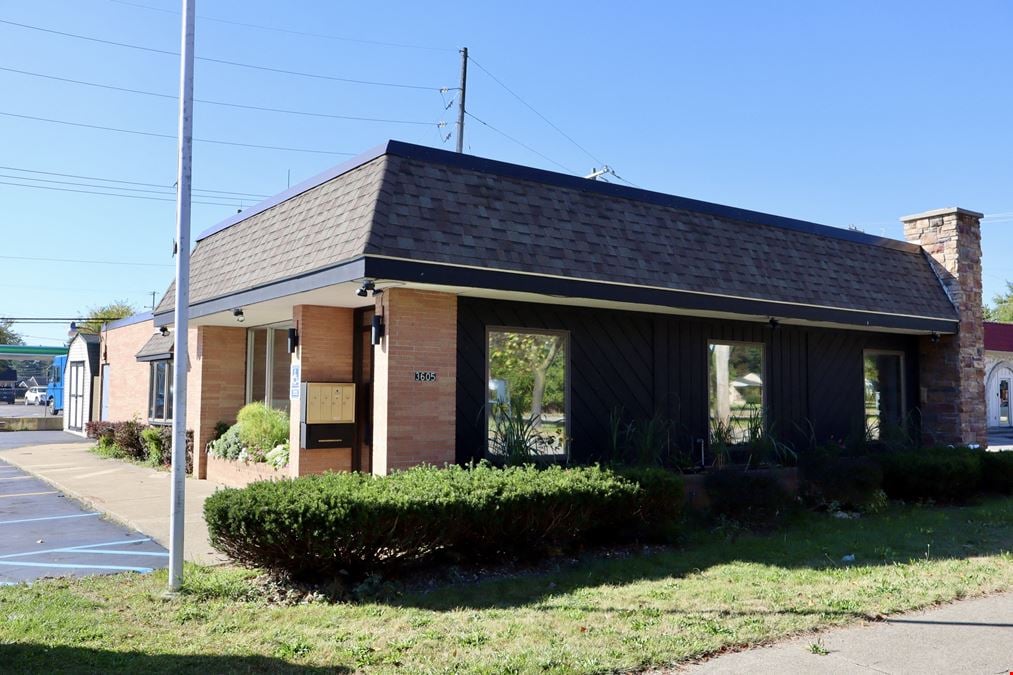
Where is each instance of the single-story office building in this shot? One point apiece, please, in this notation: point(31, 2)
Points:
point(444, 285)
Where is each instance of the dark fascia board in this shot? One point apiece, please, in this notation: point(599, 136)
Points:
point(166, 356)
point(542, 176)
point(349, 270)
point(447, 275)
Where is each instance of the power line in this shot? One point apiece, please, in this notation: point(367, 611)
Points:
point(173, 137)
point(110, 194)
point(288, 30)
point(518, 142)
point(125, 182)
point(532, 109)
point(87, 262)
point(103, 187)
point(221, 103)
point(237, 64)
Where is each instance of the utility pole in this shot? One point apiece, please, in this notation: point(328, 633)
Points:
point(153, 300)
point(460, 107)
point(182, 309)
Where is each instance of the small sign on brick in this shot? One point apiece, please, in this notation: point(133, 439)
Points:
point(425, 375)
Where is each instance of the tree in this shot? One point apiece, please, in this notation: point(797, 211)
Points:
point(8, 336)
point(104, 314)
point(528, 363)
point(1002, 309)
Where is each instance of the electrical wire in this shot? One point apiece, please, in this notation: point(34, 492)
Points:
point(219, 103)
point(237, 64)
point(289, 31)
point(125, 182)
point(111, 194)
point(518, 142)
point(105, 187)
point(89, 262)
point(173, 136)
point(532, 109)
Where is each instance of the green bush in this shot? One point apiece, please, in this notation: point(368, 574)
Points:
point(997, 472)
point(753, 498)
point(943, 474)
point(228, 445)
point(153, 442)
point(320, 526)
point(262, 427)
point(660, 503)
point(849, 482)
point(127, 435)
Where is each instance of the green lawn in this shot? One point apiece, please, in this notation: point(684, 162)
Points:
point(598, 615)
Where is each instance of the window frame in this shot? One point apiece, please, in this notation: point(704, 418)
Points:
point(269, 354)
point(764, 367)
point(167, 394)
point(567, 386)
point(903, 384)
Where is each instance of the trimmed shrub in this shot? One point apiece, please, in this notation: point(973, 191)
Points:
point(320, 526)
point(940, 474)
point(850, 482)
point(262, 427)
point(127, 436)
point(752, 498)
point(997, 472)
point(660, 503)
point(157, 452)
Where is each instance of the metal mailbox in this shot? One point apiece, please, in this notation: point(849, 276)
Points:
point(327, 415)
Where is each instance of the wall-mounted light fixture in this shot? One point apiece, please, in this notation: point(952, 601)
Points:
point(164, 331)
point(238, 313)
point(293, 340)
point(367, 286)
point(378, 329)
point(934, 338)
point(774, 323)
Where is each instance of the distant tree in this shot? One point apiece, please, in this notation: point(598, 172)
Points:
point(1002, 306)
point(8, 336)
point(104, 314)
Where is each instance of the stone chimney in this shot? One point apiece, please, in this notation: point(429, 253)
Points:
point(951, 371)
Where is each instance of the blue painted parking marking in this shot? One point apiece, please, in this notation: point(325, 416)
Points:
point(74, 566)
point(72, 549)
point(33, 520)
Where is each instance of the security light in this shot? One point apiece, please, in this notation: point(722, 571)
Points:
point(238, 313)
point(365, 288)
point(164, 331)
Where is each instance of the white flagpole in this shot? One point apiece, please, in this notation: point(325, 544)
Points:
point(182, 307)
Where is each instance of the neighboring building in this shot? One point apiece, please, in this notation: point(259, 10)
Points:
point(484, 285)
point(81, 386)
point(998, 373)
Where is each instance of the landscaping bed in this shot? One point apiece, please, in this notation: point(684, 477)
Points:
point(719, 590)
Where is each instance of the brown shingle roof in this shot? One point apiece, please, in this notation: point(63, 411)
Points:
point(429, 206)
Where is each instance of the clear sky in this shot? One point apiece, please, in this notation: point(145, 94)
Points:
point(849, 113)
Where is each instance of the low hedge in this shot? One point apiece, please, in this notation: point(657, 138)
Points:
point(847, 482)
point(942, 474)
point(997, 472)
point(321, 526)
point(753, 498)
point(139, 441)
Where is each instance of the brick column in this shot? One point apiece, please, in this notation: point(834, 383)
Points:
point(216, 384)
point(324, 355)
point(952, 370)
point(414, 422)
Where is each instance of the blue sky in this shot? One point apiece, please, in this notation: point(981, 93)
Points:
point(841, 113)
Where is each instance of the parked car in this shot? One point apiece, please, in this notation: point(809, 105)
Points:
point(7, 395)
point(35, 396)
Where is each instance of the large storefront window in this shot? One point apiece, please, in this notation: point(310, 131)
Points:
point(267, 367)
point(527, 401)
point(884, 392)
point(160, 393)
point(735, 390)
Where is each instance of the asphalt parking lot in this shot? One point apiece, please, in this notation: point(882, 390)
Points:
point(22, 410)
point(44, 534)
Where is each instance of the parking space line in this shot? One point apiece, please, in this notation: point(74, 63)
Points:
point(107, 552)
point(32, 520)
point(29, 494)
point(97, 473)
point(65, 468)
point(16, 478)
point(122, 568)
point(72, 548)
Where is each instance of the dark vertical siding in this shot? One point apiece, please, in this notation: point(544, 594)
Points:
point(649, 364)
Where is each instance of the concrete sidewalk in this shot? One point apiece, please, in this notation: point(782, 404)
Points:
point(135, 496)
point(970, 636)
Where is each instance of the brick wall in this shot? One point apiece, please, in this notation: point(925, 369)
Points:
point(324, 355)
point(129, 379)
point(952, 370)
point(414, 422)
point(216, 384)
